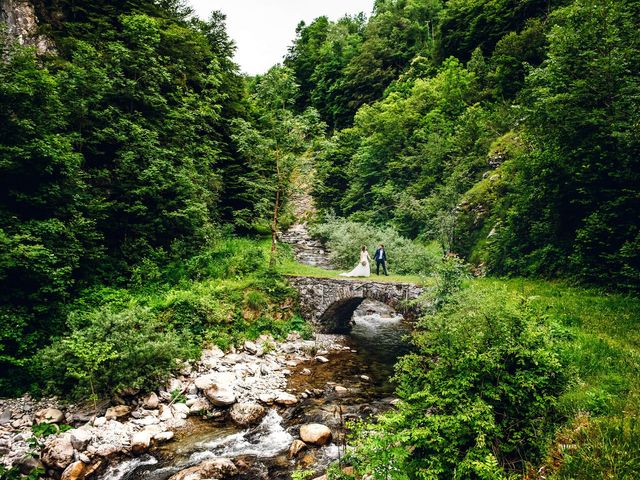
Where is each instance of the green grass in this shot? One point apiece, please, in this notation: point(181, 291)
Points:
point(601, 345)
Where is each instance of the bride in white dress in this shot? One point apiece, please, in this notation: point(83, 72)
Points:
point(363, 269)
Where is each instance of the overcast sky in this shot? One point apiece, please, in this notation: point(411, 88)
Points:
point(263, 29)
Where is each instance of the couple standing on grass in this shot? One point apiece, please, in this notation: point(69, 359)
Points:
point(363, 269)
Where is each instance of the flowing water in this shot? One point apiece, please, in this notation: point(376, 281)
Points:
point(377, 339)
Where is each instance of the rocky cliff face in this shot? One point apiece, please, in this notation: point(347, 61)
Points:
point(22, 24)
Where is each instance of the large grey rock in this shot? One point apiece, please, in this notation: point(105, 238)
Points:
point(181, 408)
point(267, 398)
point(247, 413)
point(151, 401)
point(296, 447)
point(216, 469)
point(286, 399)
point(5, 416)
point(145, 421)
point(200, 405)
point(80, 438)
point(251, 347)
point(58, 452)
point(163, 437)
point(315, 434)
point(174, 385)
point(221, 379)
point(340, 390)
point(99, 422)
point(165, 413)
point(107, 450)
point(220, 396)
point(153, 429)
point(27, 464)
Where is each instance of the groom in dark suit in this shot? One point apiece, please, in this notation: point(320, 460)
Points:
point(381, 259)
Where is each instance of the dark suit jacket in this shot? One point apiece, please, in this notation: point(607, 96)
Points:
point(377, 255)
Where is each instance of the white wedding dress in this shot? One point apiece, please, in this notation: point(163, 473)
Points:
point(363, 269)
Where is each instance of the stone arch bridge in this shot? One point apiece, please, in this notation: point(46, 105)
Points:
point(330, 302)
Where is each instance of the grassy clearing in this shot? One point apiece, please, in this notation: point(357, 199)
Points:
point(287, 265)
point(602, 406)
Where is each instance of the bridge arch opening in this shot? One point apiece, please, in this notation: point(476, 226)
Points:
point(338, 316)
point(342, 315)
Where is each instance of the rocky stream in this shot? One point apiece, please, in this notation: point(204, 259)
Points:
point(259, 412)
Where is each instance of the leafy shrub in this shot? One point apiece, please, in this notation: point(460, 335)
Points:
point(109, 351)
point(196, 309)
point(227, 258)
point(450, 274)
point(256, 300)
point(302, 474)
point(345, 238)
point(479, 395)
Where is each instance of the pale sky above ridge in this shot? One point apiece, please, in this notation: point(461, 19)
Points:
point(264, 29)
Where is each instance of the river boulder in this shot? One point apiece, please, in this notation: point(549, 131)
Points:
point(117, 412)
point(80, 438)
point(296, 447)
point(218, 468)
point(247, 413)
point(75, 471)
point(200, 405)
point(58, 453)
point(151, 401)
point(286, 399)
point(220, 396)
point(315, 434)
point(220, 379)
point(163, 437)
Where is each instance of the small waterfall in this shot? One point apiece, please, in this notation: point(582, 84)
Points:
point(126, 469)
point(268, 439)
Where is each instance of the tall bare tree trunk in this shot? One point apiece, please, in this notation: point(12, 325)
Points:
point(276, 209)
point(274, 230)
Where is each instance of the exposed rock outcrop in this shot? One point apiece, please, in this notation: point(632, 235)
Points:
point(22, 24)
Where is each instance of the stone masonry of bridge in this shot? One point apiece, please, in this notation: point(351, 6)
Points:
point(329, 303)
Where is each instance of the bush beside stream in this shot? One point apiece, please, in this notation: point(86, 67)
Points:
point(121, 338)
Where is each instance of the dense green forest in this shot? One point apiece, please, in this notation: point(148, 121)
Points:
point(135, 145)
point(141, 175)
point(506, 130)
